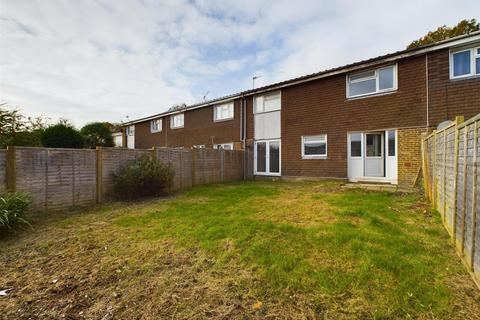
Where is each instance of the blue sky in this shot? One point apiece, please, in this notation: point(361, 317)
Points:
point(105, 60)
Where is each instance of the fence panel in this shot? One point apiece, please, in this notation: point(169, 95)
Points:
point(59, 178)
point(3, 169)
point(452, 182)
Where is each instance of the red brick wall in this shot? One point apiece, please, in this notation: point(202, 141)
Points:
point(450, 98)
point(199, 128)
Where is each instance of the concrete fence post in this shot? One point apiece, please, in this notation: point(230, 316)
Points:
point(193, 166)
point(474, 194)
point(458, 121)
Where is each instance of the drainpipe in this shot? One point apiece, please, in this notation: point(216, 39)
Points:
point(243, 136)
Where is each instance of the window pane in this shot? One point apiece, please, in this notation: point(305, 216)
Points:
point(363, 87)
point(478, 65)
point(461, 63)
point(374, 145)
point(391, 143)
point(361, 75)
point(356, 145)
point(314, 139)
point(274, 157)
point(272, 103)
point(261, 157)
point(385, 78)
point(227, 147)
point(315, 148)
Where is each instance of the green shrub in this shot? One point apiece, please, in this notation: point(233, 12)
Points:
point(62, 135)
point(13, 206)
point(97, 134)
point(144, 178)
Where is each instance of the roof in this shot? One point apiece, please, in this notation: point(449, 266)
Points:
point(455, 41)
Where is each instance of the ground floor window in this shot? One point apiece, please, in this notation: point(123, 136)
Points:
point(267, 157)
point(224, 146)
point(314, 146)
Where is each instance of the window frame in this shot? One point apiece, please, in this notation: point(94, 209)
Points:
point(474, 54)
point(377, 81)
point(268, 94)
point(172, 121)
point(198, 146)
point(160, 127)
point(315, 156)
point(217, 145)
point(227, 104)
point(130, 130)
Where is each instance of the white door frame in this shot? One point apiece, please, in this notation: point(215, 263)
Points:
point(378, 159)
point(362, 177)
point(267, 158)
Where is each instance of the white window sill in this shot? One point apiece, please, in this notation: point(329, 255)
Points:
point(223, 120)
point(173, 128)
point(157, 131)
point(466, 77)
point(375, 94)
point(314, 157)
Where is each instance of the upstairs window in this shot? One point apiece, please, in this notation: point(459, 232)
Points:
point(130, 131)
point(465, 63)
point(156, 125)
point(176, 121)
point(267, 103)
point(314, 146)
point(223, 112)
point(372, 81)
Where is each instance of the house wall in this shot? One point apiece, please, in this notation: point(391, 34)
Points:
point(450, 98)
point(199, 128)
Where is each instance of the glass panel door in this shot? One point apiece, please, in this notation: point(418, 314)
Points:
point(267, 157)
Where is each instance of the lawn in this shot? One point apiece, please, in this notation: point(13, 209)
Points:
point(240, 251)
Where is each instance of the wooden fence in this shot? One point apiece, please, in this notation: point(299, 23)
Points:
point(451, 158)
point(60, 178)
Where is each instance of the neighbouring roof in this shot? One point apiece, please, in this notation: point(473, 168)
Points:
point(455, 41)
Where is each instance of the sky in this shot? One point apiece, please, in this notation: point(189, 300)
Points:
point(107, 60)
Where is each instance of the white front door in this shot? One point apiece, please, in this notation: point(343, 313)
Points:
point(267, 157)
point(374, 154)
point(131, 137)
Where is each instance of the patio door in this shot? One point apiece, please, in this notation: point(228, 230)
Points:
point(374, 154)
point(267, 157)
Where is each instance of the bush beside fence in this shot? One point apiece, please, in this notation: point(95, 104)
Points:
point(58, 178)
point(451, 158)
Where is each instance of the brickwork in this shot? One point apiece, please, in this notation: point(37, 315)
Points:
point(409, 159)
point(199, 129)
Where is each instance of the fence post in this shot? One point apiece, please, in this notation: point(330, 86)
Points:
point(444, 177)
point(464, 193)
point(99, 174)
point(193, 166)
point(10, 169)
point(458, 120)
point(474, 194)
point(424, 166)
point(434, 189)
point(222, 165)
point(154, 153)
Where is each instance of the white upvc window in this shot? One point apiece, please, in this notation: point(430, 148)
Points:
point(223, 112)
point(130, 131)
point(156, 125)
point(370, 82)
point(465, 63)
point(176, 121)
point(199, 146)
point(267, 103)
point(224, 146)
point(314, 147)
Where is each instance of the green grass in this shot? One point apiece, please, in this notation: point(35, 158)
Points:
point(378, 247)
point(302, 249)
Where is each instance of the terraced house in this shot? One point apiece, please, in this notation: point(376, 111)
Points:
point(361, 122)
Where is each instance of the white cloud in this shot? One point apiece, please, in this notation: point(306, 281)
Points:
point(103, 60)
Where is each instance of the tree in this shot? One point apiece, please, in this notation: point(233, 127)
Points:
point(444, 32)
point(97, 134)
point(62, 135)
point(18, 130)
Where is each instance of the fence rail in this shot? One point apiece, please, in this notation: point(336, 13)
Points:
point(59, 178)
point(451, 159)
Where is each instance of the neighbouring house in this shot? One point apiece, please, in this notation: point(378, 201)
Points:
point(362, 121)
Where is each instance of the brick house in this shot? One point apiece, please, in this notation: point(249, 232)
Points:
point(362, 121)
